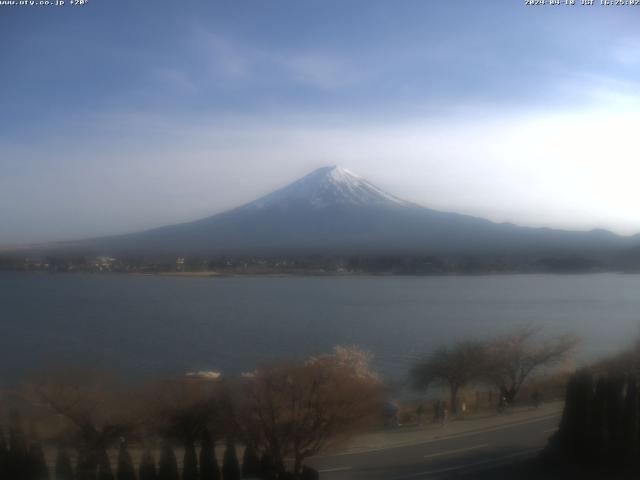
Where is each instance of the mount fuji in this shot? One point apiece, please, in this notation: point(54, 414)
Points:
point(333, 210)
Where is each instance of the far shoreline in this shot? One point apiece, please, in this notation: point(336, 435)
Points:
point(312, 274)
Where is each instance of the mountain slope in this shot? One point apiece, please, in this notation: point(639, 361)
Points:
point(332, 210)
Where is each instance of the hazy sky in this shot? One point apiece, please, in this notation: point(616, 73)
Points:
point(122, 115)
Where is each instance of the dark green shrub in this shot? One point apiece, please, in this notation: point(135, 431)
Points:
point(598, 431)
point(168, 467)
point(18, 455)
point(630, 424)
point(125, 470)
point(4, 455)
point(104, 466)
point(251, 467)
point(268, 467)
point(230, 464)
point(209, 469)
point(309, 473)
point(615, 419)
point(37, 465)
point(190, 462)
point(63, 468)
point(147, 469)
point(86, 467)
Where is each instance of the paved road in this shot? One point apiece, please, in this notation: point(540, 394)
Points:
point(444, 457)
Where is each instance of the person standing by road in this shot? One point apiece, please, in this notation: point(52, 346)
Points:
point(444, 415)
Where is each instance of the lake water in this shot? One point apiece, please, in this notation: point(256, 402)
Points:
point(149, 325)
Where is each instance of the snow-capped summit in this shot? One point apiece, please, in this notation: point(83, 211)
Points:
point(326, 187)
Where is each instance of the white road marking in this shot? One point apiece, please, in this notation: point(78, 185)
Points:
point(337, 469)
point(452, 436)
point(469, 465)
point(458, 450)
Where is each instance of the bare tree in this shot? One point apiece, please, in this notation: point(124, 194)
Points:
point(454, 367)
point(95, 411)
point(514, 357)
point(182, 408)
point(296, 410)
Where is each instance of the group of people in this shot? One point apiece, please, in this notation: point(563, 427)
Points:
point(440, 412)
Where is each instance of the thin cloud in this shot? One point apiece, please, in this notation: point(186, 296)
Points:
point(177, 80)
point(321, 71)
point(228, 58)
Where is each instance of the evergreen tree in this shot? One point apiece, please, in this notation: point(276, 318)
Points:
point(37, 464)
point(251, 463)
point(630, 425)
point(598, 436)
point(268, 468)
point(583, 412)
point(573, 433)
point(168, 468)
point(615, 419)
point(147, 466)
point(636, 453)
point(86, 466)
point(63, 468)
point(125, 469)
point(600, 427)
point(230, 464)
point(4, 455)
point(17, 459)
point(569, 420)
point(209, 469)
point(309, 473)
point(190, 462)
point(104, 471)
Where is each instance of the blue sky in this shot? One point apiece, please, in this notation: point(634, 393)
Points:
point(119, 116)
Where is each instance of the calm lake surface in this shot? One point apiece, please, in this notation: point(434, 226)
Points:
point(149, 325)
